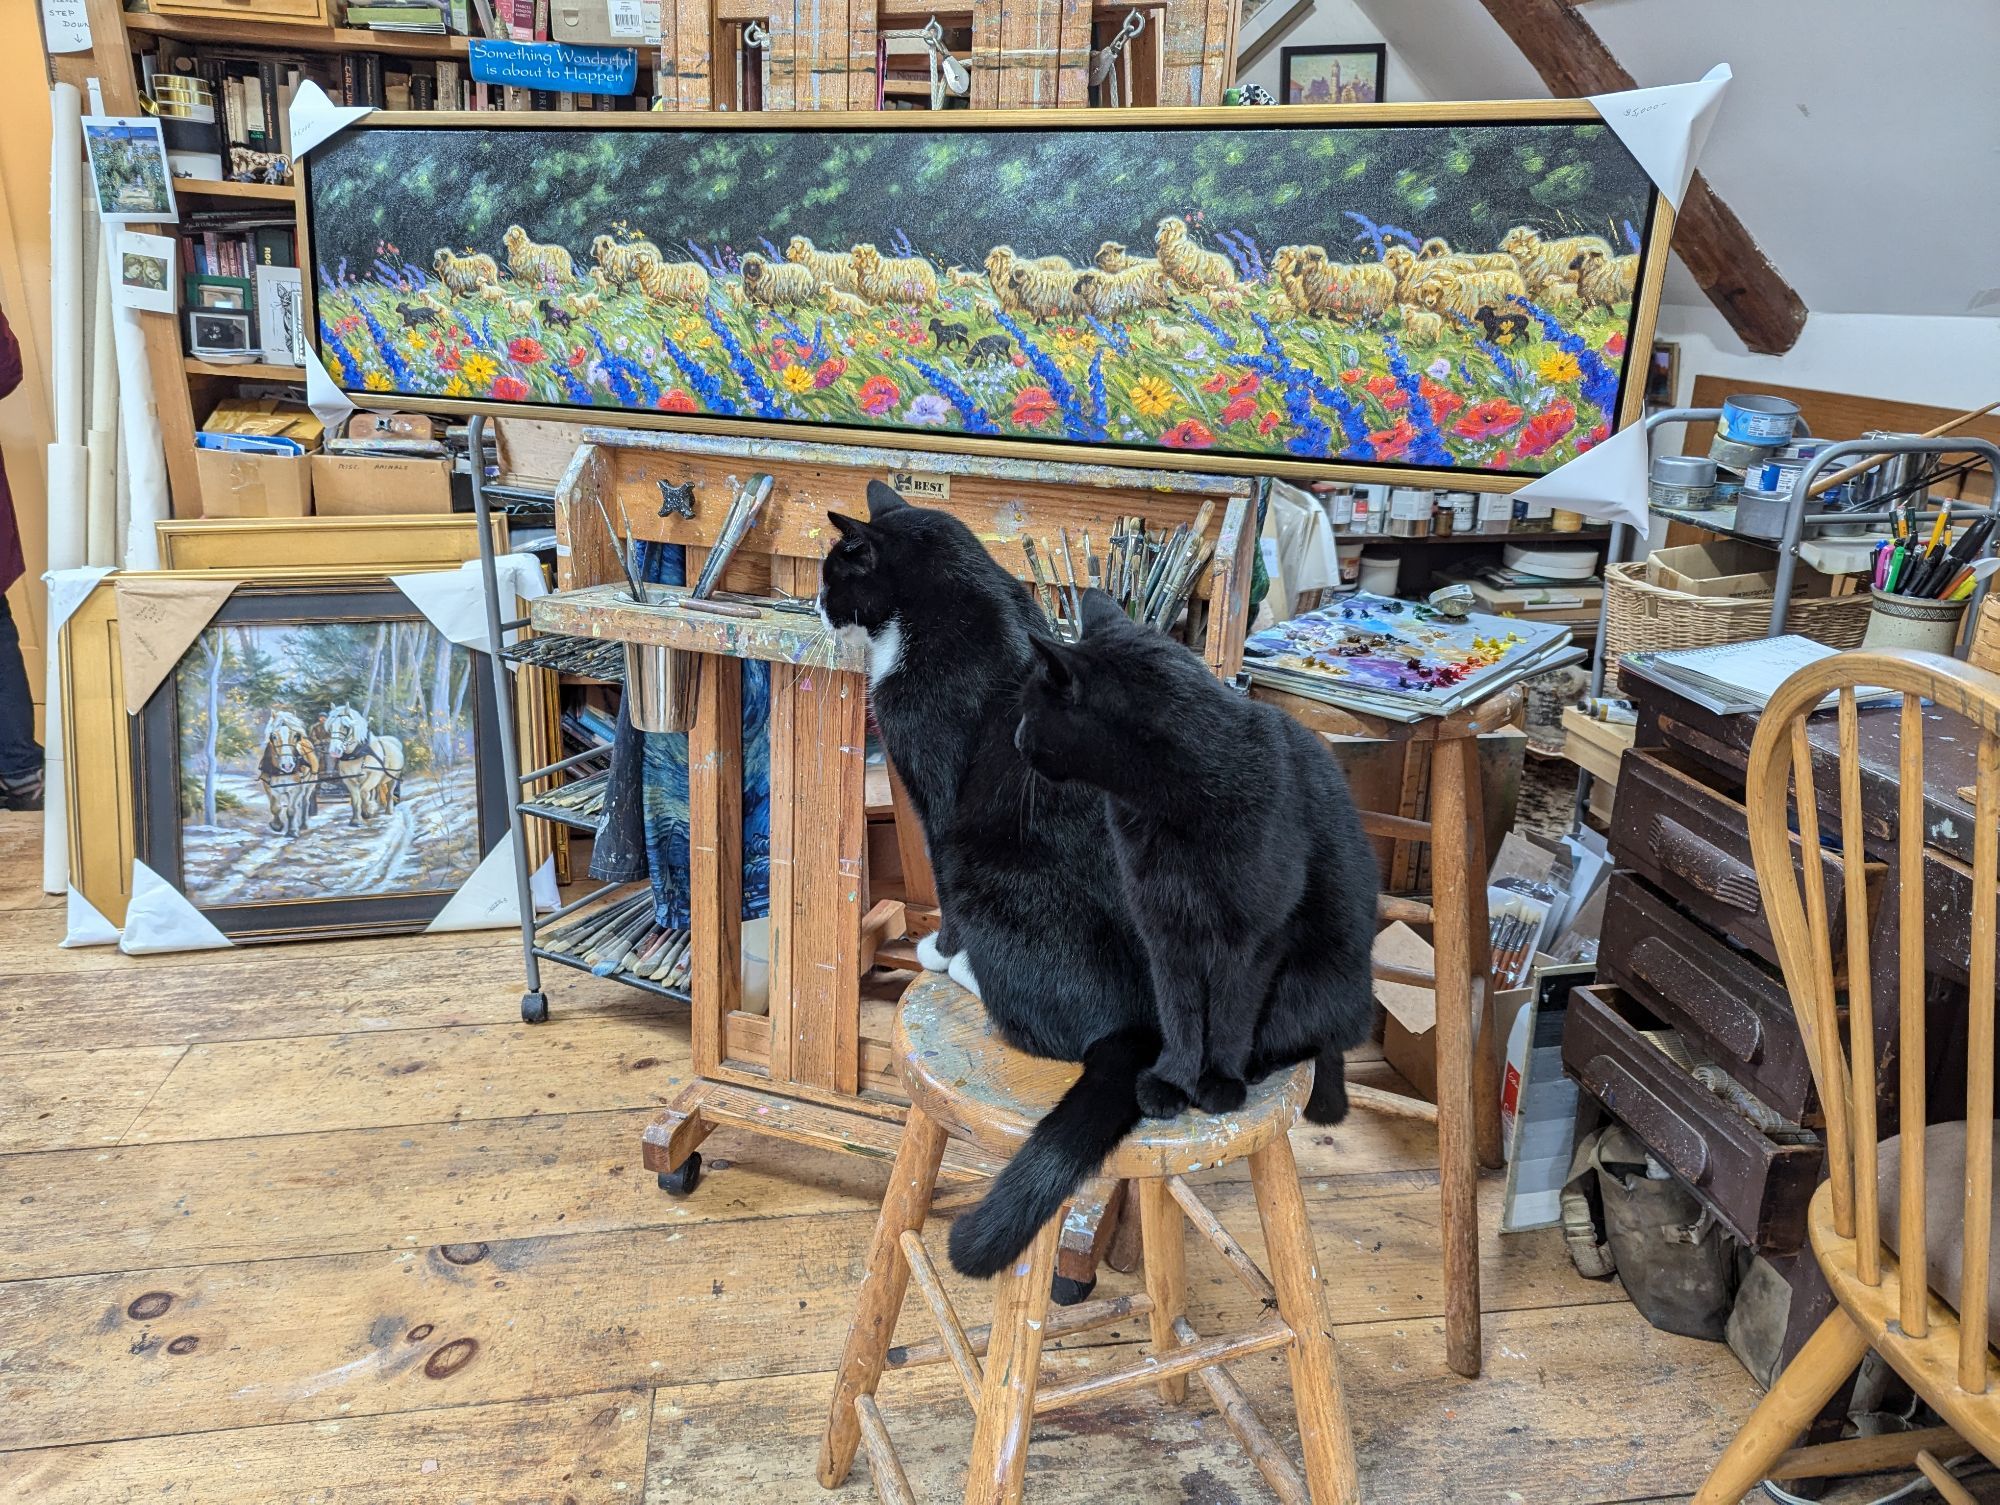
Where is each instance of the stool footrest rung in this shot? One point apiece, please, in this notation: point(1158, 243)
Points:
point(1060, 1323)
point(1234, 1255)
point(1247, 1426)
point(892, 1485)
point(950, 1333)
point(1155, 1367)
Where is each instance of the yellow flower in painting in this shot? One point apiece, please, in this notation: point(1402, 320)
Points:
point(478, 368)
point(415, 340)
point(706, 342)
point(797, 379)
point(1560, 367)
point(376, 381)
point(1152, 397)
point(456, 387)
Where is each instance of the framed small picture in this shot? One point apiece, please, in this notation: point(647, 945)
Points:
point(321, 761)
point(281, 314)
point(145, 272)
point(128, 168)
point(1663, 374)
point(220, 331)
point(214, 295)
point(1333, 75)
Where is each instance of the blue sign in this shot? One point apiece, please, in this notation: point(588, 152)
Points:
point(555, 65)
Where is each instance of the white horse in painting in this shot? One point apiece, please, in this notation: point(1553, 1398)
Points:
point(369, 764)
point(289, 772)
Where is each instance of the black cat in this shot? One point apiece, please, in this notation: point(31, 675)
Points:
point(1242, 857)
point(1026, 879)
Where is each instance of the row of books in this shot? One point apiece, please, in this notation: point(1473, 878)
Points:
point(505, 20)
point(218, 243)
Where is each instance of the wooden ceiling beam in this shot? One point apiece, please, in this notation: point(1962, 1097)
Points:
point(1711, 241)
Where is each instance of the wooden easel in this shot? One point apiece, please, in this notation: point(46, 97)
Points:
point(808, 1072)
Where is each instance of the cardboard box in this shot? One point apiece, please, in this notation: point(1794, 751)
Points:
point(1409, 1014)
point(238, 484)
point(364, 486)
point(598, 23)
point(1728, 568)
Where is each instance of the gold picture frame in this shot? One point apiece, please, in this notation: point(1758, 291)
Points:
point(384, 545)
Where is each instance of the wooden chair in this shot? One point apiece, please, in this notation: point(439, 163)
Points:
point(965, 1083)
point(1903, 1227)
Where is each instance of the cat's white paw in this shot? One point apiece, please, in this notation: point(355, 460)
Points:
point(932, 955)
point(961, 973)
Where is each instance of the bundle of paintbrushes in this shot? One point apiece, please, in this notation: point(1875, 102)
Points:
point(1938, 569)
point(588, 658)
point(620, 937)
point(1514, 936)
point(1149, 573)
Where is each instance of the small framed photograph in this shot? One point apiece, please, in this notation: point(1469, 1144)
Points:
point(128, 168)
point(220, 332)
point(1345, 75)
point(145, 272)
point(1663, 374)
point(212, 295)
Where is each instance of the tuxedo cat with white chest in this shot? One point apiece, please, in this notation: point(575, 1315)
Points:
point(1241, 855)
point(1034, 906)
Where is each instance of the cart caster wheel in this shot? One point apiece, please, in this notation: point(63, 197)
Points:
point(682, 1180)
point(1066, 1292)
point(534, 1008)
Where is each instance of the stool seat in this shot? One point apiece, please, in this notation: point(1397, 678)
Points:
point(958, 1070)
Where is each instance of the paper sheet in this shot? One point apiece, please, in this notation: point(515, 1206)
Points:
point(1609, 481)
point(1665, 128)
point(66, 25)
point(160, 918)
point(455, 600)
point(487, 900)
point(68, 589)
point(315, 117)
point(323, 395)
point(145, 265)
point(86, 924)
point(157, 620)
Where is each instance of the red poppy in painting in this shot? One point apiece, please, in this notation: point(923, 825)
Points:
point(1352, 375)
point(1396, 401)
point(1546, 428)
point(1189, 433)
point(1486, 419)
point(1382, 382)
point(676, 400)
point(524, 350)
point(1594, 438)
point(1216, 382)
point(577, 357)
point(830, 371)
point(1502, 458)
point(1033, 406)
point(1444, 407)
point(1020, 359)
point(1615, 345)
point(1393, 442)
point(509, 388)
point(1247, 386)
point(878, 395)
point(1238, 409)
point(1268, 422)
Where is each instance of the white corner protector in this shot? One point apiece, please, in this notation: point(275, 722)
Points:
point(1664, 128)
point(1608, 481)
point(315, 117)
point(455, 600)
point(68, 589)
point(160, 918)
point(488, 900)
point(87, 925)
point(330, 405)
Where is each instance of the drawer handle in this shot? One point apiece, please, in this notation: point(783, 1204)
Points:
point(1722, 1018)
point(1714, 872)
point(1678, 1142)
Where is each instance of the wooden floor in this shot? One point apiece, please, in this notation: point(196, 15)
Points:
point(325, 1223)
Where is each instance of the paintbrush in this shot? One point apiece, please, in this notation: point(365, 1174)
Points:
point(1069, 573)
point(1044, 592)
point(742, 516)
point(621, 548)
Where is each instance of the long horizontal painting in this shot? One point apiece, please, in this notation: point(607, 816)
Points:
point(1463, 296)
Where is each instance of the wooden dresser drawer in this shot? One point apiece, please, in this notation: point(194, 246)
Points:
point(1735, 1008)
point(1758, 1187)
point(1693, 841)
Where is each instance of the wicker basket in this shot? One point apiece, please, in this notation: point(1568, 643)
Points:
point(1651, 617)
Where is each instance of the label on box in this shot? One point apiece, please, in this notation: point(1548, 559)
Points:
point(920, 485)
point(1494, 506)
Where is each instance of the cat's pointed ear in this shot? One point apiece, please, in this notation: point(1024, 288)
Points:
point(1100, 612)
point(848, 527)
point(1055, 662)
point(882, 500)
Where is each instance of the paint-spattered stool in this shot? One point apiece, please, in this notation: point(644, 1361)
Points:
point(965, 1083)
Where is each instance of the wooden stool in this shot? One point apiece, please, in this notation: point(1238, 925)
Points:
point(963, 1081)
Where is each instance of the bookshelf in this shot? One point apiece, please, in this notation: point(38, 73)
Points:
point(292, 38)
point(243, 370)
point(202, 188)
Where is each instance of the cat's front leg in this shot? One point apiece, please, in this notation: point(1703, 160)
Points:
point(1168, 1085)
point(1236, 1000)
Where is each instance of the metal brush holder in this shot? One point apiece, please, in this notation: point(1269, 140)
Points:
point(660, 686)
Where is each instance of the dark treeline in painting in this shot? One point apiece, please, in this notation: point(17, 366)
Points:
point(1457, 296)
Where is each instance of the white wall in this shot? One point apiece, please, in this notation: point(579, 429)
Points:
point(1334, 23)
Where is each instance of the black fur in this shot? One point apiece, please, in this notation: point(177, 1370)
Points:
point(1241, 854)
point(415, 314)
point(556, 318)
point(1024, 868)
point(989, 347)
point(947, 334)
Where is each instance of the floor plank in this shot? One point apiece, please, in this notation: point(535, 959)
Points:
point(579, 1450)
point(60, 1098)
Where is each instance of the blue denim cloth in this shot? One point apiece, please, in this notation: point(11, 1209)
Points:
point(645, 829)
point(20, 754)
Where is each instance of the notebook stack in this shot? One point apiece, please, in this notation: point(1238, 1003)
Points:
point(1734, 678)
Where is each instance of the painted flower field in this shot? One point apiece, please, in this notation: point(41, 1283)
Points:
point(1363, 344)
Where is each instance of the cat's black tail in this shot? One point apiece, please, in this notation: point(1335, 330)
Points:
point(1065, 1150)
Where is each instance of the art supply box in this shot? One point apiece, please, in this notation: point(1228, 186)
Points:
point(365, 486)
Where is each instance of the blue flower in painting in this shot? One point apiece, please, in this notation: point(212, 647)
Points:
point(701, 382)
point(1376, 236)
point(930, 410)
point(1221, 336)
point(975, 421)
point(1113, 335)
point(1600, 383)
point(350, 374)
point(1510, 371)
point(573, 389)
point(614, 374)
point(762, 398)
point(1076, 423)
point(1631, 235)
point(1097, 404)
point(399, 369)
point(1428, 447)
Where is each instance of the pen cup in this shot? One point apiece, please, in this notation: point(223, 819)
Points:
point(660, 685)
point(1896, 621)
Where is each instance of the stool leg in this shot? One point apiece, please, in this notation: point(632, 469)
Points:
point(1457, 948)
point(1489, 1050)
point(904, 1207)
point(1013, 1362)
point(1163, 1237)
point(1324, 1434)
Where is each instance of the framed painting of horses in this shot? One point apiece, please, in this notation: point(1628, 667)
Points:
point(322, 760)
point(1460, 293)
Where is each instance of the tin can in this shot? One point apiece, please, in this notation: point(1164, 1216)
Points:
point(1733, 454)
point(1755, 419)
